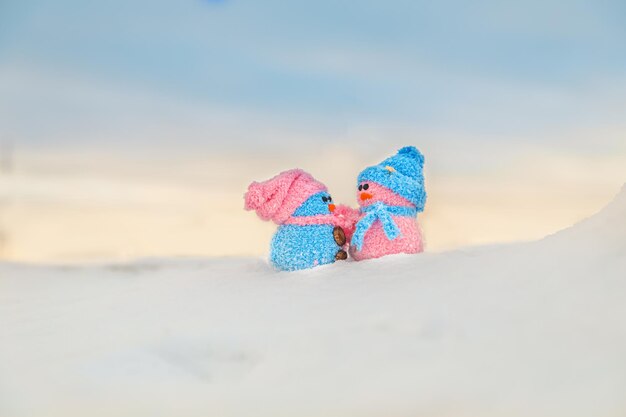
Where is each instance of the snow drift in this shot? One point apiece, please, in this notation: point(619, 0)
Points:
point(526, 329)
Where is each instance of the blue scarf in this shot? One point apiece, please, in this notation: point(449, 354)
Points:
point(382, 212)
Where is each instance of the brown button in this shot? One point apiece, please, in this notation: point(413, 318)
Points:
point(339, 235)
point(341, 255)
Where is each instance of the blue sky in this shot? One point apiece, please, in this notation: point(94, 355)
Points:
point(83, 72)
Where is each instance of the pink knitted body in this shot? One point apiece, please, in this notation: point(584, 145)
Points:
point(382, 194)
point(375, 242)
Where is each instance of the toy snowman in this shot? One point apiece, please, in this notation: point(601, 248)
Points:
point(390, 195)
point(309, 234)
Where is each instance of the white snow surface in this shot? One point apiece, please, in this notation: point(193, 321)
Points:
point(527, 329)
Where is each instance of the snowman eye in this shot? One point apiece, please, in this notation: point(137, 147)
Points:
point(366, 186)
point(330, 199)
point(324, 199)
point(360, 187)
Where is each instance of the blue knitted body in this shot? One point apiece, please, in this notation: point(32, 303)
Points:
point(299, 247)
point(305, 246)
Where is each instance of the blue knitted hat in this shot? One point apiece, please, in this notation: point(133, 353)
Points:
point(402, 174)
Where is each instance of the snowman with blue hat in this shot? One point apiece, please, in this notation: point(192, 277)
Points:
point(390, 196)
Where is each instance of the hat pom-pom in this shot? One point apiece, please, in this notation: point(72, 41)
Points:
point(412, 152)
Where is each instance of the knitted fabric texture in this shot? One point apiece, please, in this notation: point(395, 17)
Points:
point(278, 198)
point(382, 213)
point(296, 247)
point(376, 244)
point(346, 218)
point(402, 174)
point(390, 195)
point(302, 207)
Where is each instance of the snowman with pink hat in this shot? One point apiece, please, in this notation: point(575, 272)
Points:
point(310, 231)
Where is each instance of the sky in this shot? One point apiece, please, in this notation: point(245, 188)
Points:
point(207, 73)
point(122, 122)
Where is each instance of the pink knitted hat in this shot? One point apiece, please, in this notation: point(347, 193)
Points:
point(277, 198)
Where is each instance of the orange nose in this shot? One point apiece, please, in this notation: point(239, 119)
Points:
point(331, 207)
point(365, 196)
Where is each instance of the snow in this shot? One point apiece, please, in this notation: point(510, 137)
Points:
point(535, 328)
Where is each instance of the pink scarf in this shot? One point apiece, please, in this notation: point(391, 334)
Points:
point(307, 220)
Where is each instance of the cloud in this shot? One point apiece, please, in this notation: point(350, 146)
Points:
point(482, 69)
